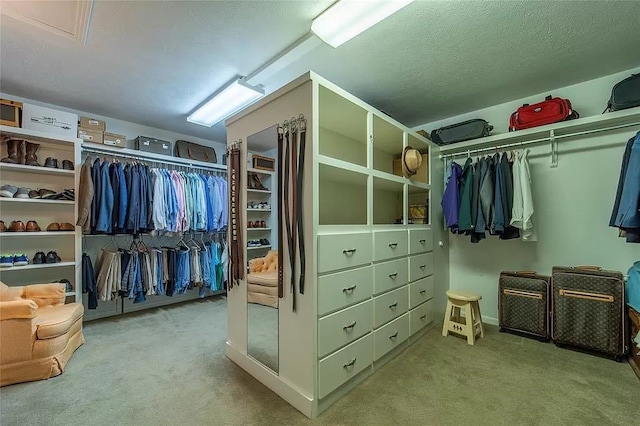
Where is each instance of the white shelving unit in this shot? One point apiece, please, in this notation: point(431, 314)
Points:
point(259, 195)
point(369, 263)
point(67, 244)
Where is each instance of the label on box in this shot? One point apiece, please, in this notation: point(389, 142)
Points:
point(49, 120)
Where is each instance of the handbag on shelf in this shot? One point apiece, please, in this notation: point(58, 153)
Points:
point(194, 151)
point(467, 130)
point(625, 94)
point(551, 110)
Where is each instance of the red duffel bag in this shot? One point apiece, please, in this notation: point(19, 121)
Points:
point(551, 110)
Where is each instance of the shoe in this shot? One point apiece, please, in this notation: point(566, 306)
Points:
point(20, 259)
point(17, 226)
point(263, 224)
point(265, 242)
point(14, 151)
point(32, 226)
point(8, 191)
point(67, 165)
point(67, 285)
point(34, 194)
point(265, 205)
point(68, 194)
point(22, 193)
point(47, 193)
point(51, 162)
point(39, 258)
point(3, 227)
point(257, 183)
point(53, 226)
point(52, 257)
point(6, 260)
point(66, 227)
point(30, 149)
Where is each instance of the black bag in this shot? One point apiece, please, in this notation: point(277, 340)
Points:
point(523, 303)
point(467, 130)
point(194, 151)
point(156, 146)
point(625, 94)
point(588, 310)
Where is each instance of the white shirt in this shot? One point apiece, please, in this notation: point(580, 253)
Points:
point(522, 211)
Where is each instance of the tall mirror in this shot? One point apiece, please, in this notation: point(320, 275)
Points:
point(262, 247)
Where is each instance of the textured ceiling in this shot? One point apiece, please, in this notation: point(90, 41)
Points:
point(153, 62)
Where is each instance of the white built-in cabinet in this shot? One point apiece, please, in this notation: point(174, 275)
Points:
point(370, 264)
point(67, 244)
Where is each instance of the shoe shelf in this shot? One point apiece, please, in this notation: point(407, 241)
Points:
point(36, 234)
point(258, 229)
point(262, 172)
point(38, 266)
point(258, 191)
point(258, 210)
point(35, 169)
point(259, 247)
point(36, 200)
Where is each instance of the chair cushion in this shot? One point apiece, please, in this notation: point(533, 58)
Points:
point(56, 320)
point(8, 293)
point(269, 279)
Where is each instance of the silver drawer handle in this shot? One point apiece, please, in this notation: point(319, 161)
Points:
point(423, 266)
point(393, 245)
point(423, 241)
point(393, 305)
point(393, 336)
point(348, 251)
point(350, 363)
point(350, 326)
point(393, 276)
point(349, 289)
point(423, 317)
point(423, 292)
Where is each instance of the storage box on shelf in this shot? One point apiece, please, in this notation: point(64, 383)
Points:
point(368, 247)
point(43, 211)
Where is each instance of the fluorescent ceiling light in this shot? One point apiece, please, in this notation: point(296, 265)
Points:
point(228, 101)
point(347, 18)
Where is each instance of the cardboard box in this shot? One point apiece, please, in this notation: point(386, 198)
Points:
point(112, 139)
point(49, 120)
point(93, 124)
point(89, 135)
point(423, 172)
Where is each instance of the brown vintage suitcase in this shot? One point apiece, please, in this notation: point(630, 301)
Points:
point(588, 310)
point(523, 303)
point(194, 151)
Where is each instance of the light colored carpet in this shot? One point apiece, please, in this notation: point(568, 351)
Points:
point(167, 367)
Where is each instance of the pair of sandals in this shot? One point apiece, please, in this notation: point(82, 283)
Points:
point(47, 194)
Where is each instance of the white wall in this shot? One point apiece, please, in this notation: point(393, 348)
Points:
point(573, 202)
point(129, 129)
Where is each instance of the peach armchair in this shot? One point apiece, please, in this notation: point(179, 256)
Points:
point(38, 332)
point(262, 280)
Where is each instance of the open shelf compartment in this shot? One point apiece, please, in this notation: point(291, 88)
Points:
point(342, 196)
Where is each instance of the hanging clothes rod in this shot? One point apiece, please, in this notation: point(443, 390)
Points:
point(160, 159)
point(549, 138)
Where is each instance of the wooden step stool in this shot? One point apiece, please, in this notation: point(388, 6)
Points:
point(471, 325)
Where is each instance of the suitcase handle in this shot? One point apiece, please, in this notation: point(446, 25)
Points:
point(585, 295)
point(589, 268)
point(526, 272)
point(522, 294)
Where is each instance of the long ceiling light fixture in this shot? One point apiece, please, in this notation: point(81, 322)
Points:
point(347, 18)
point(225, 103)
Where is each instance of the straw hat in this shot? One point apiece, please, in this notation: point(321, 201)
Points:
point(411, 161)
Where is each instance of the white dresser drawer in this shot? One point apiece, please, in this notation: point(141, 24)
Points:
point(390, 336)
point(343, 327)
point(420, 291)
point(344, 364)
point(420, 240)
point(340, 251)
point(420, 266)
point(335, 291)
point(389, 275)
point(420, 316)
point(390, 244)
point(390, 305)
